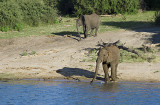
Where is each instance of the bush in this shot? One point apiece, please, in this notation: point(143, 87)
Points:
point(79, 7)
point(157, 17)
point(10, 15)
point(106, 6)
point(18, 27)
point(36, 12)
point(15, 14)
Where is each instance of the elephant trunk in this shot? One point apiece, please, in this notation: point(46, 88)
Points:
point(97, 68)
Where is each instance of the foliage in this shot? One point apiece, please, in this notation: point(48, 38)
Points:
point(10, 15)
point(15, 14)
point(36, 12)
point(79, 7)
point(18, 27)
point(157, 17)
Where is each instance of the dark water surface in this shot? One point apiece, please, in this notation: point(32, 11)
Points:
point(30, 92)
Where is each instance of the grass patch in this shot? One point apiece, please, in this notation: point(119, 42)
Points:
point(26, 53)
point(68, 25)
point(156, 71)
point(4, 76)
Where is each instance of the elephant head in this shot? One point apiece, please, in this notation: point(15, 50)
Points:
point(107, 55)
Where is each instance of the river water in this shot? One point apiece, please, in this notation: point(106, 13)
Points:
point(31, 92)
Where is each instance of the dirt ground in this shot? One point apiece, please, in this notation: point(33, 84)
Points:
point(62, 57)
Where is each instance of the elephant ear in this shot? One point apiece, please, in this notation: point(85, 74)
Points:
point(110, 56)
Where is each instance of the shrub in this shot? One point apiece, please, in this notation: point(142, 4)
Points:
point(36, 12)
point(19, 27)
point(79, 7)
point(5, 28)
point(10, 15)
point(15, 14)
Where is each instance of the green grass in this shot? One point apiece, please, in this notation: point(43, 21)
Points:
point(4, 76)
point(68, 26)
point(130, 22)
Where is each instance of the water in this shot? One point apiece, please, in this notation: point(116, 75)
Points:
point(31, 92)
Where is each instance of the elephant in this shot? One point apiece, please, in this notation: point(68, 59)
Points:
point(88, 22)
point(109, 56)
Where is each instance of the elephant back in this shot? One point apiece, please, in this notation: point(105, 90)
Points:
point(92, 21)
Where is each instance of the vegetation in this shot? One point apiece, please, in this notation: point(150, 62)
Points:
point(5, 76)
point(15, 14)
point(79, 7)
point(26, 53)
point(68, 27)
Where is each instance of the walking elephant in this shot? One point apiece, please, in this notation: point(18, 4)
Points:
point(88, 22)
point(109, 57)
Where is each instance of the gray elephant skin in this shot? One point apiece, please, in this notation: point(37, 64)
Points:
point(109, 57)
point(89, 22)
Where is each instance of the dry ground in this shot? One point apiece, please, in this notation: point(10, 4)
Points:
point(62, 57)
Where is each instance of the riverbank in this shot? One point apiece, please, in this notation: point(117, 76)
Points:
point(61, 57)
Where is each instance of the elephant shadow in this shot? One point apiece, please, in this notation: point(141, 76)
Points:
point(73, 35)
point(63, 33)
point(68, 72)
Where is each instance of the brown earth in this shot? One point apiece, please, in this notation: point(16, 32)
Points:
point(60, 57)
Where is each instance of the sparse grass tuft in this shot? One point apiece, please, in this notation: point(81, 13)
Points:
point(26, 53)
point(156, 71)
point(32, 53)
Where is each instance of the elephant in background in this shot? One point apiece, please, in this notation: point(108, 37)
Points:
point(88, 22)
point(109, 57)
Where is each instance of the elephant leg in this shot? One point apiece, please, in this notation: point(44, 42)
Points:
point(105, 68)
point(91, 32)
point(113, 72)
point(96, 31)
point(116, 70)
point(86, 32)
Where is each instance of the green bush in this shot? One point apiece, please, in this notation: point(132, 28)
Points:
point(10, 15)
point(36, 12)
point(19, 27)
point(157, 17)
point(79, 7)
point(15, 14)
point(106, 6)
point(5, 28)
